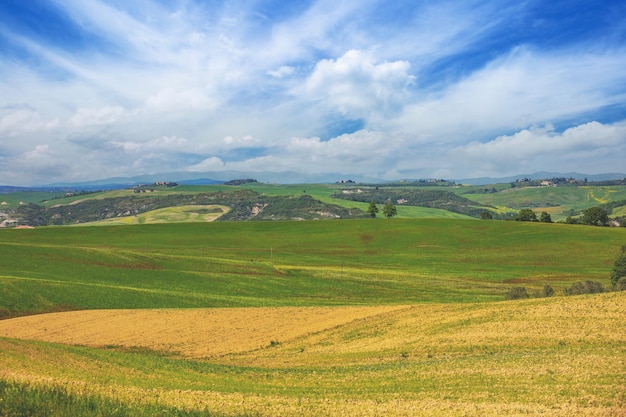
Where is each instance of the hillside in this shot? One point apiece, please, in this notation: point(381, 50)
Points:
point(559, 356)
point(359, 317)
point(242, 205)
point(251, 200)
point(282, 263)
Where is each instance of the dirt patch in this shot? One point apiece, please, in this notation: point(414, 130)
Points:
point(194, 333)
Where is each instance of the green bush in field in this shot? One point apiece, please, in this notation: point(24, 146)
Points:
point(517, 293)
point(619, 268)
point(588, 287)
point(548, 291)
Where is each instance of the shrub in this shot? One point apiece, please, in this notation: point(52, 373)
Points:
point(619, 268)
point(621, 284)
point(548, 291)
point(588, 287)
point(517, 293)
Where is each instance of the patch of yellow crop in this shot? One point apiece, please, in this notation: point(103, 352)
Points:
point(176, 214)
point(195, 333)
point(559, 356)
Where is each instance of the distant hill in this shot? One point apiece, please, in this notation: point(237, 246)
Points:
point(541, 175)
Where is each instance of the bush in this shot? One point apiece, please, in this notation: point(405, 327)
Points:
point(517, 293)
point(588, 287)
point(621, 284)
point(548, 291)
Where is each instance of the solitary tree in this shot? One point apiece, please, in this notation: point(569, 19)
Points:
point(619, 268)
point(389, 210)
point(526, 215)
point(372, 210)
point(545, 217)
point(596, 216)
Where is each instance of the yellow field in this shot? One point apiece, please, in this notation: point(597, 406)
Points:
point(194, 333)
point(176, 214)
point(562, 356)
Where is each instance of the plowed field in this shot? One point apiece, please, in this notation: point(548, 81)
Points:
point(194, 333)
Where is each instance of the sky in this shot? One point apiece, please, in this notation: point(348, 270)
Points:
point(409, 89)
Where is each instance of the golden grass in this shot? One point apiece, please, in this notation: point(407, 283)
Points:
point(175, 214)
point(563, 356)
point(193, 333)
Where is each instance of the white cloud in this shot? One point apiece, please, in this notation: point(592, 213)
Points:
point(357, 87)
point(282, 72)
point(210, 164)
point(97, 116)
point(25, 121)
point(522, 89)
point(164, 143)
point(575, 149)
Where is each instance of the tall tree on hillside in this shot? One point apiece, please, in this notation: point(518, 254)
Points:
point(372, 210)
point(596, 216)
point(619, 268)
point(545, 217)
point(389, 210)
point(526, 215)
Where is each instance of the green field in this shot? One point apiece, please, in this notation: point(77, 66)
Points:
point(376, 261)
point(560, 202)
point(451, 346)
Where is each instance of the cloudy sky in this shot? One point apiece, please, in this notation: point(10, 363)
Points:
point(92, 89)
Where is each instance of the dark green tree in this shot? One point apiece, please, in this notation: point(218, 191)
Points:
point(372, 210)
point(619, 268)
point(526, 215)
point(545, 217)
point(485, 215)
point(389, 210)
point(596, 216)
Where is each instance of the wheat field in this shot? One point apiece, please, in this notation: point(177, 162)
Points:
point(558, 356)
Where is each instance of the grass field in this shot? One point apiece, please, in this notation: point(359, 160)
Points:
point(558, 356)
point(371, 262)
point(558, 201)
point(353, 317)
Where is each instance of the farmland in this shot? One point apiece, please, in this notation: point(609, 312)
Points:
point(366, 317)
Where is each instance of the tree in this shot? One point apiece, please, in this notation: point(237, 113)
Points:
point(526, 215)
point(485, 215)
point(619, 268)
point(596, 216)
point(389, 210)
point(545, 217)
point(372, 210)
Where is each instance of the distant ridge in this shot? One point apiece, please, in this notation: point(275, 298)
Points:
point(542, 175)
point(288, 177)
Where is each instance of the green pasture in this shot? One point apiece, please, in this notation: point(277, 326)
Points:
point(560, 202)
point(348, 262)
point(16, 199)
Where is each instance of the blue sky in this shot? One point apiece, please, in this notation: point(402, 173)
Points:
point(92, 89)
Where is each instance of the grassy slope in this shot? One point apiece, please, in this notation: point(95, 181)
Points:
point(561, 356)
point(558, 201)
point(376, 261)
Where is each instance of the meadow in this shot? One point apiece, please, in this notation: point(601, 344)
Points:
point(352, 317)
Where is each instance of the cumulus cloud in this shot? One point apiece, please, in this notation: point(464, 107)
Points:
point(411, 89)
point(357, 87)
point(533, 149)
point(209, 164)
point(25, 121)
